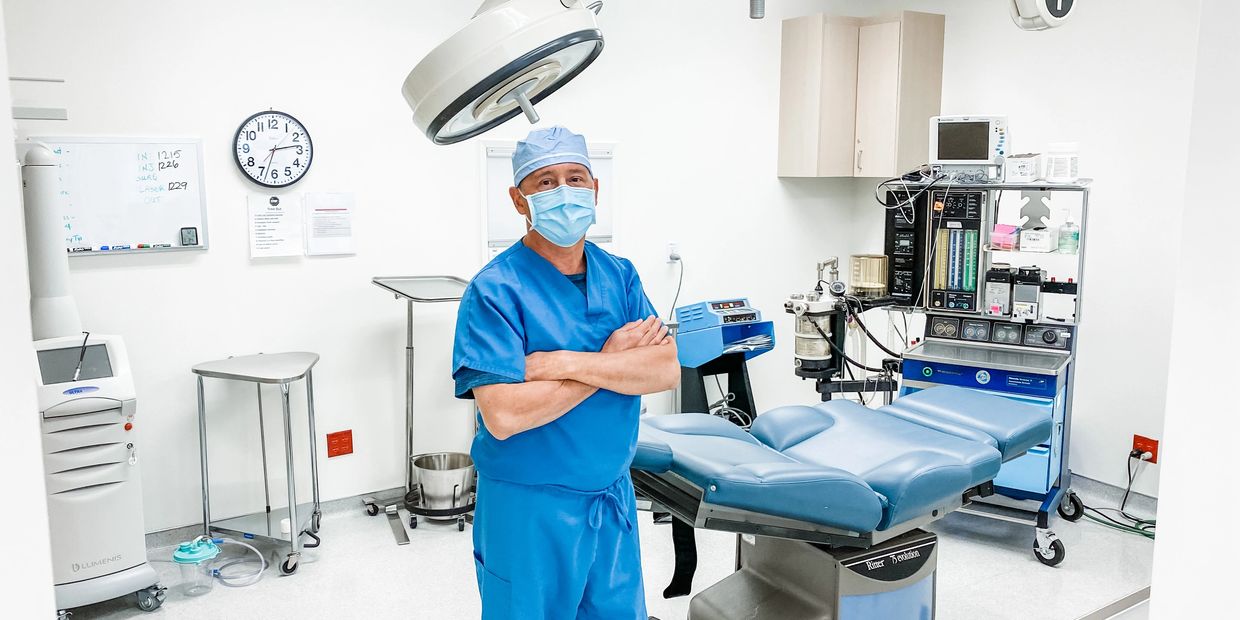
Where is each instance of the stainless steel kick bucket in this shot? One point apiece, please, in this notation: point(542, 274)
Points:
point(446, 480)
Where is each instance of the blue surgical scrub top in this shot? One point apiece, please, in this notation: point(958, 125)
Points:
point(519, 304)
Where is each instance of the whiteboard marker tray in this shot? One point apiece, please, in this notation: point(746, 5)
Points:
point(424, 289)
point(265, 525)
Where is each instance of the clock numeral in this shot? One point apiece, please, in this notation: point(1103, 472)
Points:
point(251, 135)
point(288, 172)
point(260, 170)
point(297, 162)
point(275, 174)
point(300, 150)
point(296, 137)
point(245, 148)
point(274, 124)
point(249, 162)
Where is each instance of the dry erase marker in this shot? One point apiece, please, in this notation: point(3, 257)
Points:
point(143, 246)
point(161, 245)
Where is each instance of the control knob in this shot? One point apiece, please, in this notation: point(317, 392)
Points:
point(1050, 336)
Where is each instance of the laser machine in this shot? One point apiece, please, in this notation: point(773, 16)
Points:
point(87, 404)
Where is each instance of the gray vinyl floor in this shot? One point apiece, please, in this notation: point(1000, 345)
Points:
point(986, 570)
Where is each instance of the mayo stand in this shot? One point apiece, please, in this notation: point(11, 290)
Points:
point(413, 289)
point(277, 369)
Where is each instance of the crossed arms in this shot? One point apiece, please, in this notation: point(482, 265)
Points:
point(638, 358)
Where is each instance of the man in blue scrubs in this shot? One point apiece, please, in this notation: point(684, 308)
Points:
point(556, 341)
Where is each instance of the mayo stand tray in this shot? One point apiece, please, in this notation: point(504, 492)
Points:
point(275, 369)
point(422, 290)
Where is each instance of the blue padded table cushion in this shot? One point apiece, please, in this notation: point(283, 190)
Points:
point(735, 470)
point(1010, 425)
point(917, 469)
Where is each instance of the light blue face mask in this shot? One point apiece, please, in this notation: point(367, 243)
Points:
point(562, 215)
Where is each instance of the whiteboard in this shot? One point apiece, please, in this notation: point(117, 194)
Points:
point(126, 195)
point(501, 223)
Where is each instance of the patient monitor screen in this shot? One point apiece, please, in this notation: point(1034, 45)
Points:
point(964, 141)
point(57, 365)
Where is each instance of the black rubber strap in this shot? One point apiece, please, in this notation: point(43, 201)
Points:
point(685, 546)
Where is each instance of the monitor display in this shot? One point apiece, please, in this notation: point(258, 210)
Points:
point(968, 141)
point(57, 365)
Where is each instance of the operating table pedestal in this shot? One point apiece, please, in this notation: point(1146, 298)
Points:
point(781, 579)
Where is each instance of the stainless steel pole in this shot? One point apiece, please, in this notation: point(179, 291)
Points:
point(409, 398)
point(294, 524)
point(314, 447)
point(202, 446)
point(262, 437)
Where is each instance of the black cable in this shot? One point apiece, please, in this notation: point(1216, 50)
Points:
point(1141, 527)
point(77, 371)
point(841, 353)
point(671, 314)
point(856, 316)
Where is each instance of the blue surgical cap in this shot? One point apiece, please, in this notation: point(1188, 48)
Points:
point(547, 147)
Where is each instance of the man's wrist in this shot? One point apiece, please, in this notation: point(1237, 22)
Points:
point(567, 364)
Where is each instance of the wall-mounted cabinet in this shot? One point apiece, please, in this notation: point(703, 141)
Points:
point(856, 94)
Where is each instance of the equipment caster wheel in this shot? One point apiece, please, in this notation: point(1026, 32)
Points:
point(460, 524)
point(151, 598)
point(1072, 508)
point(289, 566)
point(372, 509)
point(1051, 555)
point(413, 522)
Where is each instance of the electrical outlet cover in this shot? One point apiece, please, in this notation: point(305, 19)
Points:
point(1145, 444)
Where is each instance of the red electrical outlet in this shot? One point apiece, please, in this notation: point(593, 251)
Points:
point(340, 443)
point(1145, 444)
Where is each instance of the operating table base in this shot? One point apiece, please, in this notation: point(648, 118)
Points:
point(792, 580)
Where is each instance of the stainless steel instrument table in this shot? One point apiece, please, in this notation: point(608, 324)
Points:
point(424, 290)
point(279, 369)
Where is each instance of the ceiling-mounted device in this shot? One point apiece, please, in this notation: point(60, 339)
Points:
point(1040, 14)
point(512, 55)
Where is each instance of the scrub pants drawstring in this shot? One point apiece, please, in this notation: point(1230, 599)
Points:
point(608, 497)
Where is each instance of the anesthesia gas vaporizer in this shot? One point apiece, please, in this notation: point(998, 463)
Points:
point(86, 408)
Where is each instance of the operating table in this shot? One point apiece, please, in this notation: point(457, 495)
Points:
point(829, 499)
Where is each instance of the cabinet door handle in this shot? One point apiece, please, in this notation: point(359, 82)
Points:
point(859, 152)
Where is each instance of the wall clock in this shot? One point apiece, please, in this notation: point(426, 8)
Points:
point(273, 149)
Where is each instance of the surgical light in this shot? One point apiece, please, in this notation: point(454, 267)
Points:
point(511, 55)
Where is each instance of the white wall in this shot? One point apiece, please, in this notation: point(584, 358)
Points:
point(24, 518)
point(693, 110)
point(689, 92)
point(1119, 82)
point(1202, 424)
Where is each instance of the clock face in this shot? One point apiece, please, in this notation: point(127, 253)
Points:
point(273, 149)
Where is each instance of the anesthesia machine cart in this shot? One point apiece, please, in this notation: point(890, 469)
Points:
point(438, 486)
point(1002, 295)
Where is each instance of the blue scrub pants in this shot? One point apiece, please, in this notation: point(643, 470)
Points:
point(552, 553)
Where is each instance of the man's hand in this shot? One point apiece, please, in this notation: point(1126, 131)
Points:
point(637, 334)
point(554, 365)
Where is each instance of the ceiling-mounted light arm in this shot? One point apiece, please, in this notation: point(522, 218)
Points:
point(757, 9)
